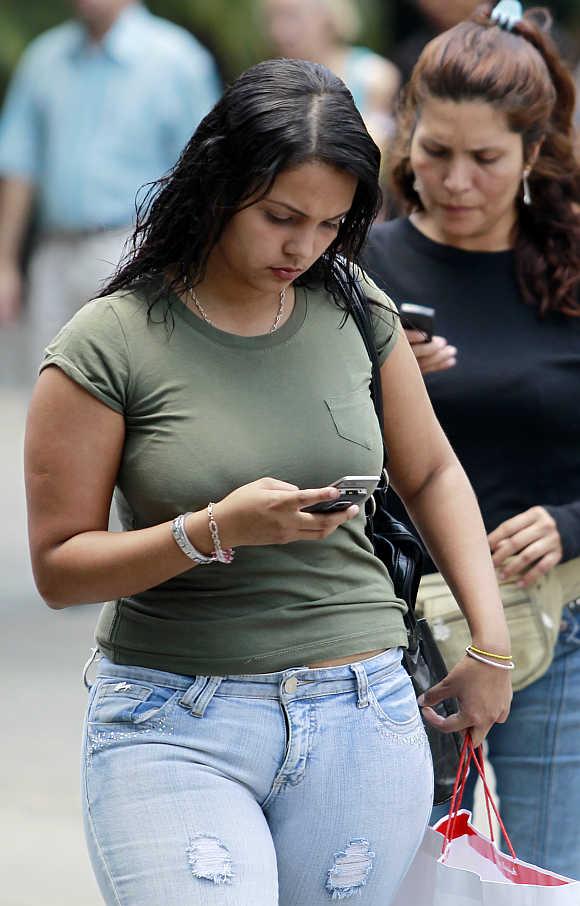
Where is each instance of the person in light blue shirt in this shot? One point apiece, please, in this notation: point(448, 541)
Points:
point(98, 107)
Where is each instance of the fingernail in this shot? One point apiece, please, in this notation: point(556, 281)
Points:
point(501, 574)
point(521, 584)
point(421, 701)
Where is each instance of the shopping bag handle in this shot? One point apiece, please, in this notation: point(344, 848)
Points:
point(469, 755)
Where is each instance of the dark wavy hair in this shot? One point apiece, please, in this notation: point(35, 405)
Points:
point(521, 74)
point(276, 115)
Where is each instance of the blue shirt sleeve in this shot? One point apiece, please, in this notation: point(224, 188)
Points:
point(20, 121)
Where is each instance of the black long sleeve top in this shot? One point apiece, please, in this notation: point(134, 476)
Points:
point(511, 405)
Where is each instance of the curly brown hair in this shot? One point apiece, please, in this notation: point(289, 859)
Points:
point(521, 74)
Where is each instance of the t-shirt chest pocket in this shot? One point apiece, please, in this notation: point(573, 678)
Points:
point(352, 415)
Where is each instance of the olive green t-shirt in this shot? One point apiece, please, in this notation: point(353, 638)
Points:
point(206, 412)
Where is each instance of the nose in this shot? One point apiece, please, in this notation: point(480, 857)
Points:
point(301, 245)
point(457, 179)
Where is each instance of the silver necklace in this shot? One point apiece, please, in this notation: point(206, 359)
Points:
point(203, 312)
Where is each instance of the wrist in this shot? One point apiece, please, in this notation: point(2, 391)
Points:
point(496, 644)
point(228, 533)
point(197, 529)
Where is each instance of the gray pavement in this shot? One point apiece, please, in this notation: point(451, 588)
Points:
point(42, 853)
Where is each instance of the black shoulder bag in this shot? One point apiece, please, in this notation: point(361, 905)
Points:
point(402, 554)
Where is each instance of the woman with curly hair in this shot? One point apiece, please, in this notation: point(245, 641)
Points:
point(485, 165)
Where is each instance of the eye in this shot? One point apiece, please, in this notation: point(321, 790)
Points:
point(333, 226)
point(435, 152)
point(481, 159)
point(273, 218)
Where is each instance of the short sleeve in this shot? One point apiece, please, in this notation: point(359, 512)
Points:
point(384, 316)
point(92, 350)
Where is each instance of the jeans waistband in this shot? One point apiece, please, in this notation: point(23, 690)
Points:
point(292, 683)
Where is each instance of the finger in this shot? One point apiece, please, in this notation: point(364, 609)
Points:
point(325, 523)
point(510, 527)
point(308, 496)
point(415, 336)
point(452, 724)
point(526, 559)
point(436, 345)
point(446, 358)
point(518, 542)
point(539, 569)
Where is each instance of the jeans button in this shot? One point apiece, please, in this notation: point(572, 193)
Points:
point(291, 685)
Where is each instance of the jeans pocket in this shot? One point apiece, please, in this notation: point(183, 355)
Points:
point(570, 625)
point(127, 702)
point(394, 703)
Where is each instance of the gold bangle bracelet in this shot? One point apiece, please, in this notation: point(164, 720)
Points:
point(486, 660)
point(500, 657)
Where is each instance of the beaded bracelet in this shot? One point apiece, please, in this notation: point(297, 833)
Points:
point(222, 554)
point(485, 660)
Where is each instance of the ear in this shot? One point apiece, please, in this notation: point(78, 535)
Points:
point(532, 155)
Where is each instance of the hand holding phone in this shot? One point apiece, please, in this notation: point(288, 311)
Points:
point(354, 489)
point(418, 317)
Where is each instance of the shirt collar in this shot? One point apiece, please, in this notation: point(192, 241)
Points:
point(120, 43)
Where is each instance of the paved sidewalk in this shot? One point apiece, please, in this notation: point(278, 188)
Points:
point(42, 852)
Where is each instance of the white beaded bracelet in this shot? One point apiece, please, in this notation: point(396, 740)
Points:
point(485, 660)
point(222, 554)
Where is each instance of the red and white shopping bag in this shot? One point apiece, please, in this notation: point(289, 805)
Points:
point(456, 865)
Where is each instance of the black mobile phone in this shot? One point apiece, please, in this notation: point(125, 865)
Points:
point(353, 489)
point(418, 317)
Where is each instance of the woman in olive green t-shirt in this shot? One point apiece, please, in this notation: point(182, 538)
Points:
point(251, 733)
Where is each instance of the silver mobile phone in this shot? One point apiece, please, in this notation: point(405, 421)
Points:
point(353, 489)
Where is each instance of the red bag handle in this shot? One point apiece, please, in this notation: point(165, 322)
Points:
point(470, 755)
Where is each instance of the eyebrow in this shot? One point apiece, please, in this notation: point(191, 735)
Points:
point(442, 144)
point(290, 207)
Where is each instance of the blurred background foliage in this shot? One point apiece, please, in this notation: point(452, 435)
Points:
point(229, 28)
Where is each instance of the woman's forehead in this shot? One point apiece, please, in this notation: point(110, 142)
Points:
point(314, 188)
point(471, 122)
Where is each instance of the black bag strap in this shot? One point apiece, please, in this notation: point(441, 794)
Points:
point(360, 312)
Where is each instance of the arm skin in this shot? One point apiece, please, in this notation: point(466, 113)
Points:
point(16, 200)
point(434, 488)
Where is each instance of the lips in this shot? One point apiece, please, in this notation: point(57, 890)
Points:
point(456, 209)
point(286, 273)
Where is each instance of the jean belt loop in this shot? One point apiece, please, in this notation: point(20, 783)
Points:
point(198, 696)
point(362, 684)
point(94, 655)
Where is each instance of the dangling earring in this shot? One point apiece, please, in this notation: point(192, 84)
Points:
point(416, 185)
point(527, 195)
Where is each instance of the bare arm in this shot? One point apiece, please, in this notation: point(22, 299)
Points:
point(16, 199)
point(435, 490)
point(73, 450)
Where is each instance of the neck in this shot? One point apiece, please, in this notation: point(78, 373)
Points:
point(238, 307)
point(498, 239)
point(97, 28)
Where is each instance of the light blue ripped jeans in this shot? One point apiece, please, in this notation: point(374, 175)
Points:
point(291, 788)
